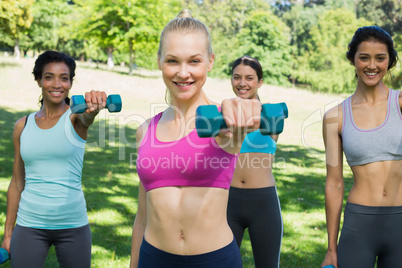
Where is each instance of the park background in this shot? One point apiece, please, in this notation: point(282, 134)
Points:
point(300, 44)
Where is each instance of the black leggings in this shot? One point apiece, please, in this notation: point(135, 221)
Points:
point(370, 234)
point(258, 210)
point(226, 257)
point(29, 247)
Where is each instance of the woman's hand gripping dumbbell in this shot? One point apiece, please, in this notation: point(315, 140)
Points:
point(209, 121)
point(78, 105)
point(4, 256)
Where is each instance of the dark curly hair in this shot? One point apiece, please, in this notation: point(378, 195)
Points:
point(49, 57)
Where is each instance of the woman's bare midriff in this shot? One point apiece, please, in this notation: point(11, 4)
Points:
point(377, 184)
point(254, 170)
point(187, 220)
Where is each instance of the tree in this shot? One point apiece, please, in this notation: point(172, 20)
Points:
point(15, 18)
point(324, 66)
point(225, 19)
point(265, 37)
point(48, 16)
point(384, 13)
point(122, 24)
point(300, 20)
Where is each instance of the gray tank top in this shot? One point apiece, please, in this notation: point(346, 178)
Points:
point(383, 143)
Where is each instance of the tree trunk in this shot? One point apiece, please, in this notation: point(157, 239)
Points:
point(17, 52)
point(130, 53)
point(110, 63)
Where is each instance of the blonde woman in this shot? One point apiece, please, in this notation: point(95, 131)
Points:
point(181, 218)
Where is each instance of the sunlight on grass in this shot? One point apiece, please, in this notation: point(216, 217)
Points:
point(110, 181)
point(105, 217)
point(102, 257)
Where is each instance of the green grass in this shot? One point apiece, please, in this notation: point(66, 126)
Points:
point(110, 181)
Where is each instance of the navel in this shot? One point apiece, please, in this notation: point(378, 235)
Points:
point(384, 193)
point(181, 236)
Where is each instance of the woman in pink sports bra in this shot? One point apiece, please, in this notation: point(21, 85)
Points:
point(181, 217)
point(367, 128)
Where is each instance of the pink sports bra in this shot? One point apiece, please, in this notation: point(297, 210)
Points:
point(189, 161)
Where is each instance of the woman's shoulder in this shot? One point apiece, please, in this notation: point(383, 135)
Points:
point(142, 129)
point(20, 125)
point(335, 113)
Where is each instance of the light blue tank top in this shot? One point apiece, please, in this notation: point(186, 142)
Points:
point(53, 196)
point(383, 143)
point(255, 142)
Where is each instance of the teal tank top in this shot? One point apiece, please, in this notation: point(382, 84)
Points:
point(53, 158)
point(255, 142)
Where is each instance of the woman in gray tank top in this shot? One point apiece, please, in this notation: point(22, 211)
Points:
point(367, 128)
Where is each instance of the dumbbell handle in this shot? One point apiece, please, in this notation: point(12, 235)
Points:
point(209, 120)
point(4, 256)
point(329, 266)
point(113, 103)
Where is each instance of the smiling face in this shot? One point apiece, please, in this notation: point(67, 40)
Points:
point(185, 62)
point(371, 62)
point(55, 82)
point(245, 82)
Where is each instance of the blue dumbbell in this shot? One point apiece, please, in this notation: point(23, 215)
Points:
point(329, 266)
point(4, 255)
point(209, 120)
point(78, 105)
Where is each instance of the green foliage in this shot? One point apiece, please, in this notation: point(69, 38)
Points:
point(248, 28)
point(324, 66)
point(300, 19)
point(130, 27)
point(15, 16)
point(266, 38)
point(5, 40)
point(335, 4)
point(395, 79)
point(48, 17)
point(15, 19)
point(299, 41)
point(384, 13)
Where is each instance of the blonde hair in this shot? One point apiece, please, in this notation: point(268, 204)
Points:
point(185, 23)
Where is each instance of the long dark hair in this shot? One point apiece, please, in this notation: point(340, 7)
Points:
point(49, 57)
point(368, 33)
point(249, 61)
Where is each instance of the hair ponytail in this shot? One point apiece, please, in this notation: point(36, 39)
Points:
point(184, 13)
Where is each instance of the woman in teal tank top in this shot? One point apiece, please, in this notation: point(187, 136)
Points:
point(45, 201)
point(253, 200)
point(367, 129)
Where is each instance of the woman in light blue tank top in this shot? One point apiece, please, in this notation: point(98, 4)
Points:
point(367, 128)
point(45, 201)
point(253, 199)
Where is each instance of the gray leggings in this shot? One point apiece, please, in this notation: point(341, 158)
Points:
point(370, 235)
point(29, 247)
point(258, 210)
